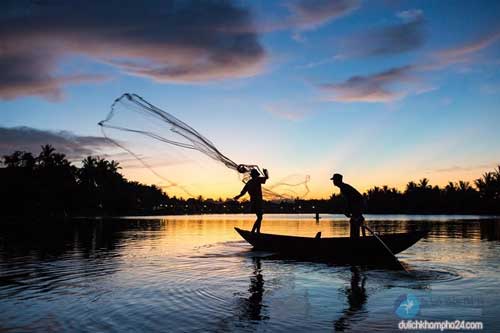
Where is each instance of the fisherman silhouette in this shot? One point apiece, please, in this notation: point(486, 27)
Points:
point(355, 205)
point(254, 188)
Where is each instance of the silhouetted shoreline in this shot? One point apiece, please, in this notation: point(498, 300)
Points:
point(49, 186)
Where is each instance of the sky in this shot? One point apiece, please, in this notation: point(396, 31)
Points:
point(383, 92)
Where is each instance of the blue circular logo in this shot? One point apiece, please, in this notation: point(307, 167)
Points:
point(407, 306)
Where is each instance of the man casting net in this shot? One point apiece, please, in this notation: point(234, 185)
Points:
point(151, 122)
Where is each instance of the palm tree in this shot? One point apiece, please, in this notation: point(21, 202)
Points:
point(424, 184)
point(411, 186)
point(46, 155)
point(464, 186)
point(486, 185)
point(19, 159)
point(451, 187)
point(48, 158)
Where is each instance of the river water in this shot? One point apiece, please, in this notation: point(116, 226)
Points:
point(195, 274)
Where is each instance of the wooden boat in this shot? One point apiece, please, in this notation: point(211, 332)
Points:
point(338, 248)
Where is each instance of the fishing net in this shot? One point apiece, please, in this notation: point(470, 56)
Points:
point(291, 187)
point(153, 123)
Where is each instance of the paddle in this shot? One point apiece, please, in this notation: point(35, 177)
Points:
point(386, 247)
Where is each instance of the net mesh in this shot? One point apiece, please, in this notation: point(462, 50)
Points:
point(163, 127)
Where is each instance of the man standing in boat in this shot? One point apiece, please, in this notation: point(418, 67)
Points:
point(254, 188)
point(355, 205)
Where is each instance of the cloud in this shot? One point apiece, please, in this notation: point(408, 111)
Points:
point(30, 139)
point(403, 37)
point(320, 62)
point(398, 82)
point(287, 111)
point(373, 88)
point(303, 15)
point(466, 53)
point(167, 41)
point(410, 15)
point(30, 76)
point(470, 47)
point(309, 14)
point(455, 168)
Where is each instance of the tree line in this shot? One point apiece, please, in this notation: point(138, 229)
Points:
point(49, 185)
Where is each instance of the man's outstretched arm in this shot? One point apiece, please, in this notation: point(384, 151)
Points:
point(243, 191)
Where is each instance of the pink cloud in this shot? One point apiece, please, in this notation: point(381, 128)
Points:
point(302, 15)
point(287, 111)
point(373, 88)
point(469, 48)
point(30, 139)
point(165, 41)
point(399, 82)
point(309, 14)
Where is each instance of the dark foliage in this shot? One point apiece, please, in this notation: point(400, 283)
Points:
point(48, 185)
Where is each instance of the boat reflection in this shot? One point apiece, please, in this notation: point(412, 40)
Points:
point(490, 230)
point(192, 273)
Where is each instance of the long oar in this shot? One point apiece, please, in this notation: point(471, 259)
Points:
point(386, 247)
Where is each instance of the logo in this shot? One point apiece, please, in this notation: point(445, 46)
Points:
point(407, 306)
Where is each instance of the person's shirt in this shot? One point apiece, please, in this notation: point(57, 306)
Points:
point(254, 188)
point(353, 197)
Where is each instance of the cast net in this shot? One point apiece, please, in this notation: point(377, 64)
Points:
point(132, 114)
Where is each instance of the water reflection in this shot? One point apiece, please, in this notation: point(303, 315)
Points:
point(251, 308)
point(197, 274)
point(356, 299)
point(46, 240)
point(490, 230)
point(52, 257)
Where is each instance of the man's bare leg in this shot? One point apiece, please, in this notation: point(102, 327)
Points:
point(257, 224)
point(362, 224)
